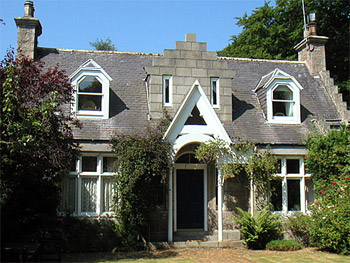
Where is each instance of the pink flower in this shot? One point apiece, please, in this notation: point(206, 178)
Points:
point(347, 178)
point(342, 175)
point(334, 183)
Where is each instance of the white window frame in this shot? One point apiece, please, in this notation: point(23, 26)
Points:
point(170, 79)
point(99, 175)
point(91, 68)
point(217, 81)
point(293, 176)
point(296, 118)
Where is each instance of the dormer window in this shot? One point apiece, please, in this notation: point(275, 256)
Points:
point(92, 91)
point(282, 102)
point(89, 94)
point(279, 96)
point(167, 90)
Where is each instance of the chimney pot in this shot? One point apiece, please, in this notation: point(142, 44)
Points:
point(312, 17)
point(28, 9)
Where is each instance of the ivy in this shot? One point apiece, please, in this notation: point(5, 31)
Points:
point(142, 165)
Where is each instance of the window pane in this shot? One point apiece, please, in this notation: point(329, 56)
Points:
point(293, 195)
point(107, 194)
point(108, 163)
point(276, 195)
point(282, 93)
point(187, 158)
point(166, 90)
point(68, 194)
point(310, 193)
point(283, 108)
point(89, 164)
point(88, 194)
point(293, 166)
point(89, 102)
point(214, 92)
point(90, 84)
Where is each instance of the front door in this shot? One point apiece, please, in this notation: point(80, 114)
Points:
point(190, 199)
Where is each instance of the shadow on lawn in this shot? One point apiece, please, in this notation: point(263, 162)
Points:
point(106, 256)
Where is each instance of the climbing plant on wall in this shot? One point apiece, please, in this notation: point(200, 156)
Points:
point(258, 164)
point(142, 165)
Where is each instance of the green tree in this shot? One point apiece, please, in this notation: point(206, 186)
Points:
point(271, 32)
point(36, 142)
point(103, 44)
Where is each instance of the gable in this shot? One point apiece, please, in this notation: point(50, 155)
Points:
point(195, 121)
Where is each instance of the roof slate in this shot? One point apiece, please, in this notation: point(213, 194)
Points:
point(128, 108)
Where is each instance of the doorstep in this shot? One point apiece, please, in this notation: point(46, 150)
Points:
point(237, 244)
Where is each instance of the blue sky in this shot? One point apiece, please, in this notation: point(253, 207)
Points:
point(133, 26)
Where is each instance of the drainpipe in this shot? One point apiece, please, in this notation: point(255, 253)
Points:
point(170, 206)
point(220, 203)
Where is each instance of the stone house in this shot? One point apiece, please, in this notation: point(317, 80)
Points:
point(269, 102)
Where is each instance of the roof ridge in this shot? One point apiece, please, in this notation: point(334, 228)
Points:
point(102, 51)
point(262, 60)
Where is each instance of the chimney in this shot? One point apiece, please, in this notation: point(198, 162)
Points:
point(28, 30)
point(312, 48)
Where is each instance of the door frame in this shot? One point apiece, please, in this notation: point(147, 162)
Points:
point(203, 167)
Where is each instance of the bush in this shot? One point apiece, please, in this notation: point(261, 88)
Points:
point(284, 245)
point(299, 225)
point(331, 217)
point(89, 235)
point(258, 230)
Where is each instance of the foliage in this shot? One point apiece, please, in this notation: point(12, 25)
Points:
point(238, 157)
point(36, 141)
point(259, 229)
point(300, 226)
point(271, 32)
point(212, 151)
point(284, 245)
point(258, 164)
point(142, 165)
point(88, 235)
point(103, 44)
point(331, 216)
point(329, 156)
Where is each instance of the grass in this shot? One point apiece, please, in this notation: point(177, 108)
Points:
point(295, 256)
point(210, 255)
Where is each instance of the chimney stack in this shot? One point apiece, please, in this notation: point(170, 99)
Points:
point(312, 48)
point(28, 30)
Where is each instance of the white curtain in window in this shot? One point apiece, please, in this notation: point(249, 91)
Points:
point(107, 194)
point(289, 109)
point(88, 194)
point(67, 194)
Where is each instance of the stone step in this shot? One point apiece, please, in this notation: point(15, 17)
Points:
point(234, 234)
point(237, 244)
point(226, 235)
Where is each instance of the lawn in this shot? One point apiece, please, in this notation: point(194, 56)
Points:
point(210, 255)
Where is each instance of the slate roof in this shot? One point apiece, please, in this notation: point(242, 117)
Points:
point(128, 108)
point(248, 116)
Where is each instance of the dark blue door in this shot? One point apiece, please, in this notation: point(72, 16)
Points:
point(190, 199)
